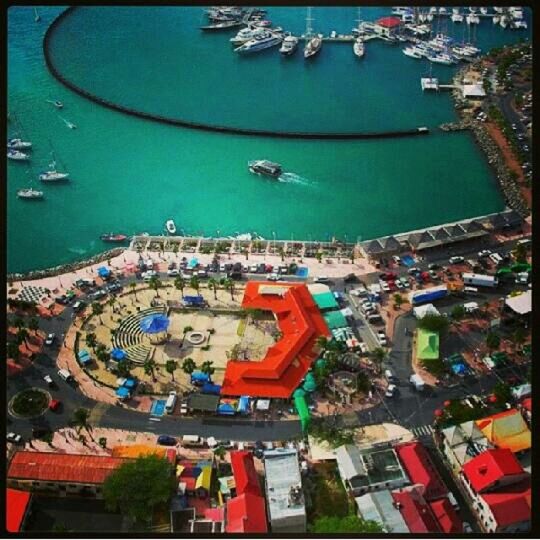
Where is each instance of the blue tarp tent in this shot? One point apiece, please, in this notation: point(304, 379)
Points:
point(122, 392)
point(198, 377)
point(209, 388)
point(153, 324)
point(130, 383)
point(460, 369)
point(243, 405)
point(193, 263)
point(226, 409)
point(84, 357)
point(118, 354)
point(103, 272)
point(193, 300)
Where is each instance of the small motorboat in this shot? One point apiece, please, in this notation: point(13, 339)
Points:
point(265, 167)
point(56, 103)
point(359, 48)
point(170, 226)
point(17, 156)
point(111, 237)
point(29, 194)
point(69, 124)
point(18, 144)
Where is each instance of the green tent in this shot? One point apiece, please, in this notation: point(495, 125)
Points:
point(325, 301)
point(310, 385)
point(335, 319)
point(521, 267)
point(303, 411)
point(299, 392)
point(427, 345)
point(320, 363)
point(504, 271)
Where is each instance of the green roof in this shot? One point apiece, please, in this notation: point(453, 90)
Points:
point(427, 345)
point(303, 411)
point(325, 301)
point(335, 319)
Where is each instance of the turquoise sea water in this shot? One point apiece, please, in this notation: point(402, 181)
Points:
point(130, 175)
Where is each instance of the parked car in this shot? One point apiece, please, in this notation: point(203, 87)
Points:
point(391, 391)
point(456, 260)
point(48, 380)
point(273, 277)
point(173, 272)
point(433, 274)
point(14, 438)
point(149, 274)
point(54, 404)
point(49, 340)
point(322, 279)
point(78, 306)
point(62, 300)
point(381, 336)
point(396, 259)
point(484, 253)
point(414, 270)
point(100, 293)
point(166, 440)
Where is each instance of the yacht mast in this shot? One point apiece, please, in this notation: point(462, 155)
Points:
point(309, 20)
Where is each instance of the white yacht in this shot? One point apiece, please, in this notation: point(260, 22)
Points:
point(17, 156)
point(483, 10)
point(29, 193)
point(442, 11)
point(504, 21)
point(413, 52)
point(313, 46)
point(289, 45)
point(442, 58)
point(495, 19)
point(359, 48)
point(245, 35)
point(498, 9)
point(457, 17)
point(18, 144)
point(519, 25)
point(170, 226)
point(472, 19)
point(52, 175)
point(260, 42)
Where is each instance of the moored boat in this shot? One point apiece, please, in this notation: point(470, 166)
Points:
point(52, 175)
point(359, 48)
point(15, 155)
point(18, 144)
point(29, 193)
point(111, 237)
point(289, 45)
point(260, 42)
point(313, 46)
point(170, 226)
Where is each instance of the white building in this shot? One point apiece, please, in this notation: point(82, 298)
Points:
point(380, 507)
point(284, 494)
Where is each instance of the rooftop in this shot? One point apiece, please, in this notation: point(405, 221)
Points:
point(507, 429)
point(16, 505)
point(379, 506)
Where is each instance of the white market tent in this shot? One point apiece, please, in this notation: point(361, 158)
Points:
point(427, 309)
point(520, 304)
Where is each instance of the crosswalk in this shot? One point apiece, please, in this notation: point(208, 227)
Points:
point(422, 431)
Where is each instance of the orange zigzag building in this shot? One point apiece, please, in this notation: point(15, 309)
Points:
point(286, 363)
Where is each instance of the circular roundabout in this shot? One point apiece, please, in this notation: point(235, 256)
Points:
point(29, 403)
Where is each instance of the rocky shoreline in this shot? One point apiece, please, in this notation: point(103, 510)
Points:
point(509, 187)
point(66, 268)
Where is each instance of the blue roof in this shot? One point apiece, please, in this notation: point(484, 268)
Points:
point(193, 299)
point(122, 392)
point(200, 376)
point(210, 388)
point(243, 404)
point(458, 369)
point(226, 408)
point(130, 383)
point(118, 354)
point(103, 271)
point(153, 324)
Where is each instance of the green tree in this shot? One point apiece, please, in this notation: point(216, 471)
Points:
point(136, 487)
point(281, 253)
point(170, 367)
point(91, 340)
point(111, 302)
point(434, 323)
point(102, 353)
point(188, 365)
point(493, 341)
point(347, 524)
point(80, 419)
point(228, 285)
point(22, 335)
point(13, 351)
point(133, 286)
point(213, 284)
point(322, 343)
point(33, 324)
point(123, 368)
point(378, 356)
point(194, 283)
point(398, 300)
point(458, 313)
point(19, 323)
point(518, 337)
point(97, 310)
point(520, 253)
point(208, 368)
point(502, 392)
point(220, 452)
point(149, 366)
point(155, 283)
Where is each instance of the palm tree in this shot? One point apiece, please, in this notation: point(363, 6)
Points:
point(80, 420)
point(22, 334)
point(228, 284)
point(281, 253)
point(111, 301)
point(208, 367)
point(179, 284)
point(398, 300)
point(12, 350)
point(149, 366)
point(33, 324)
point(378, 356)
point(91, 340)
point(19, 323)
point(133, 286)
point(97, 310)
point(220, 452)
point(188, 365)
point(518, 337)
point(213, 284)
point(170, 367)
point(155, 284)
point(194, 283)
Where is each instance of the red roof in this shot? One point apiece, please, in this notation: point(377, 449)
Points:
point(446, 516)
point(246, 514)
point(389, 22)
point(245, 475)
point(484, 470)
point(527, 404)
point(510, 505)
point(415, 510)
point(279, 373)
point(421, 470)
point(52, 467)
point(16, 505)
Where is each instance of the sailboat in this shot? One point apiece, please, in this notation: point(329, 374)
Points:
point(313, 43)
point(53, 175)
point(29, 193)
point(359, 48)
point(37, 18)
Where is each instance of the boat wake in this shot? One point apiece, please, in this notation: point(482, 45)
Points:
point(77, 251)
point(291, 178)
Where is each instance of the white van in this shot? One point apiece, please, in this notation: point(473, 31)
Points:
point(496, 258)
point(192, 440)
point(471, 307)
point(65, 374)
point(417, 382)
point(470, 290)
point(171, 402)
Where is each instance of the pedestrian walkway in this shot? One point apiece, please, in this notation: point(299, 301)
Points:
point(422, 431)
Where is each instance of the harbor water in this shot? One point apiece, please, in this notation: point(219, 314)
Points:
point(129, 175)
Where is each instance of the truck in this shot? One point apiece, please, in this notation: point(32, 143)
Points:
point(480, 280)
point(428, 295)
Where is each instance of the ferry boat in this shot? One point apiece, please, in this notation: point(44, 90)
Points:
point(170, 226)
point(413, 52)
point(18, 144)
point(359, 48)
point(29, 193)
point(52, 175)
point(313, 46)
point(265, 167)
point(289, 45)
point(17, 156)
point(111, 237)
point(260, 42)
